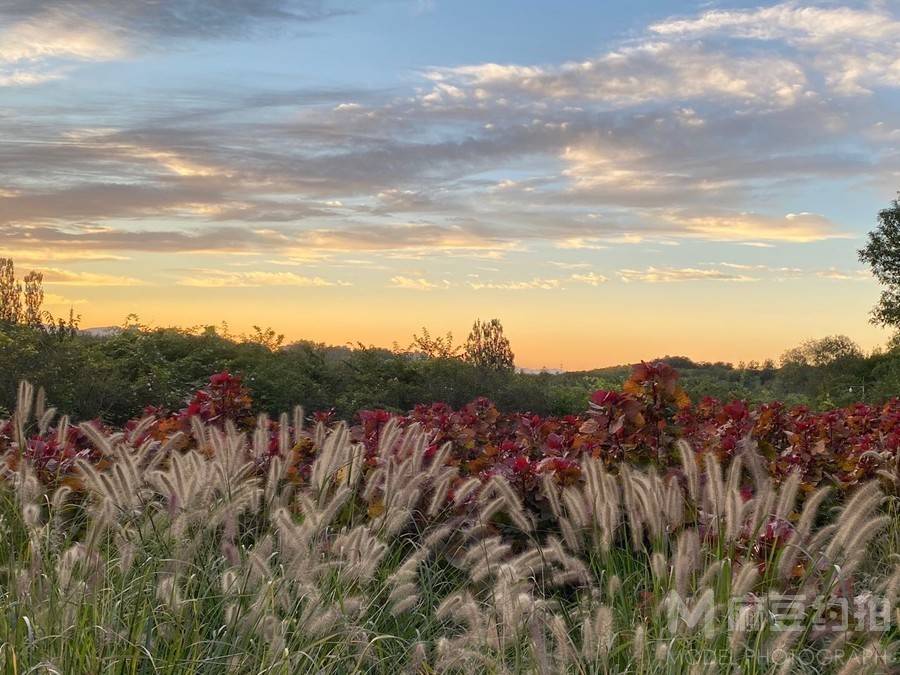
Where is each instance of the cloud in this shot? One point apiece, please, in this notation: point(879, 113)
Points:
point(533, 284)
point(569, 265)
point(790, 21)
point(589, 278)
point(43, 37)
point(651, 71)
point(417, 283)
point(208, 278)
point(793, 227)
point(173, 18)
point(855, 49)
point(656, 275)
point(678, 135)
point(56, 276)
point(845, 275)
point(35, 50)
point(55, 300)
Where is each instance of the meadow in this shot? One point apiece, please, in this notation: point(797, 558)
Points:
point(649, 534)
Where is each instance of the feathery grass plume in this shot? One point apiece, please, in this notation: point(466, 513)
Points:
point(744, 580)
point(62, 429)
point(261, 436)
point(573, 568)
point(67, 567)
point(649, 492)
point(199, 432)
point(24, 403)
point(659, 566)
point(45, 418)
point(126, 548)
point(890, 588)
point(101, 441)
point(139, 429)
point(734, 515)
point(390, 434)
point(800, 534)
point(639, 646)
point(564, 652)
point(735, 473)
point(284, 435)
point(691, 472)
point(40, 403)
point(854, 514)
point(700, 617)
point(855, 547)
point(465, 490)
point(511, 501)
point(169, 594)
point(748, 450)
point(297, 430)
point(276, 471)
point(333, 454)
point(787, 495)
point(570, 536)
point(576, 510)
point(488, 510)
point(551, 492)
point(632, 508)
point(763, 504)
point(673, 504)
point(614, 585)
point(686, 559)
point(786, 666)
point(357, 553)
point(710, 574)
point(872, 658)
point(439, 459)
point(715, 488)
point(439, 494)
point(744, 622)
point(661, 653)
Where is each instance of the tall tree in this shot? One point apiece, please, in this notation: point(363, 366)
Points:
point(882, 253)
point(488, 348)
point(10, 292)
point(435, 347)
point(34, 299)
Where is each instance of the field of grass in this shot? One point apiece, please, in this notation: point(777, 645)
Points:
point(297, 546)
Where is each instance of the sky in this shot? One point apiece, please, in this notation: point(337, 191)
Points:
point(614, 181)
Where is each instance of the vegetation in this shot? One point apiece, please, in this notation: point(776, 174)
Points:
point(210, 540)
point(488, 349)
point(882, 253)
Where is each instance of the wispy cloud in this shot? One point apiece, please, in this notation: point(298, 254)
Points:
point(56, 276)
point(206, 278)
point(417, 283)
point(657, 275)
point(531, 284)
point(697, 129)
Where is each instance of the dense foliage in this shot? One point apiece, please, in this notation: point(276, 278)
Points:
point(114, 375)
point(882, 253)
point(211, 540)
point(640, 425)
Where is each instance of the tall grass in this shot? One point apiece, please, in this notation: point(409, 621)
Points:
point(217, 559)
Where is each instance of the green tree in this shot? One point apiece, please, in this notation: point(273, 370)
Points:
point(435, 347)
point(488, 348)
point(882, 253)
point(34, 299)
point(10, 293)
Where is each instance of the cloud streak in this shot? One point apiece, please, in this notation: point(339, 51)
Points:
point(697, 130)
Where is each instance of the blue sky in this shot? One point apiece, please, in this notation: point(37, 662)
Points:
point(613, 180)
